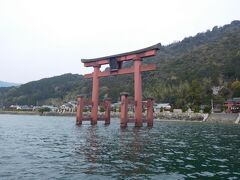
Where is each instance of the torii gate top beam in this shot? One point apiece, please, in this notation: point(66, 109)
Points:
point(141, 53)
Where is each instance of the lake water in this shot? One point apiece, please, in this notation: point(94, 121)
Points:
point(37, 147)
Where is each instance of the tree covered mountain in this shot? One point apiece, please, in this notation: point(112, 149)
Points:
point(45, 91)
point(186, 73)
point(7, 84)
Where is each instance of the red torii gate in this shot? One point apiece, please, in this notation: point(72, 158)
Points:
point(115, 62)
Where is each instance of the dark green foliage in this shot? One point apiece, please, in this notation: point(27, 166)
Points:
point(184, 109)
point(207, 109)
point(45, 109)
point(186, 72)
point(236, 88)
point(102, 109)
point(195, 108)
point(114, 109)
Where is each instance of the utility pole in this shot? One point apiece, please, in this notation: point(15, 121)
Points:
point(212, 105)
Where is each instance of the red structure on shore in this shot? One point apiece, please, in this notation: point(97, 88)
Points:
point(232, 105)
point(115, 62)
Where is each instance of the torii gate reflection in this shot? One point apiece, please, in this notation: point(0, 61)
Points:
point(115, 62)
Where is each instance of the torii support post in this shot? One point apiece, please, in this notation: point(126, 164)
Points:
point(80, 105)
point(124, 110)
point(138, 92)
point(95, 95)
point(107, 108)
point(150, 102)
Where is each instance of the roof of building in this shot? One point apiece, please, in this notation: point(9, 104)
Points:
point(154, 47)
point(163, 105)
point(236, 99)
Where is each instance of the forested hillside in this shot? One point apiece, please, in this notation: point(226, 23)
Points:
point(187, 71)
point(7, 84)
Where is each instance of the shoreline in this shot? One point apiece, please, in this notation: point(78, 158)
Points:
point(37, 113)
point(20, 112)
point(158, 116)
point(163, 116)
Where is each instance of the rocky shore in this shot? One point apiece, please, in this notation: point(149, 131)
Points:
point(161, 116)
point(232, 118)
point(180, 116)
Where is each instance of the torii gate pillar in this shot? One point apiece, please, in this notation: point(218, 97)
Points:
point(95, 95)
point(138, 92)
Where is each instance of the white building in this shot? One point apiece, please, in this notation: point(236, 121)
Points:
point(163, 106)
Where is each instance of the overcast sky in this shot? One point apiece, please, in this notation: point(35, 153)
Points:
point(44, 38)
